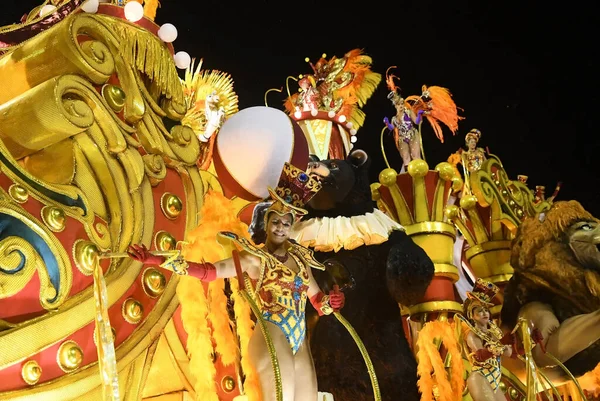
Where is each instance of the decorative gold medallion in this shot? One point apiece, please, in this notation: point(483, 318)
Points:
point(69, 356)
point(54, 218)
point(171, 205)
point(132, 311)
point(18, 193)
point(85, 255)
point(31, 372)
point(153, 282)
point(163, 241)
point(228, 384)
point(114, 96)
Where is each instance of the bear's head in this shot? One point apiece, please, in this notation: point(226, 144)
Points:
point(345, 184)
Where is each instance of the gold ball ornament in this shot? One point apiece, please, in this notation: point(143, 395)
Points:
point(513, 393)
point(154, 282)
point(18, 193)
point(418, 168)
point(468, 202)
point(85, 254)
point(54, 218)
point(451, 212)
point(132, 311)
point(228, 384)
point(445, 170)
point(388, 177)
point(375, 195)
point(163, 241)
point(171, 205)
point(502, 387)
point(69, 356)
point(114, 96)
point(31, 372)
point(457, 183)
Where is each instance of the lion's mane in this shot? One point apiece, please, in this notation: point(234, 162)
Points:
point(546, 269)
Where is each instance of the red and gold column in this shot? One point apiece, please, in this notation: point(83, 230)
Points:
point(417, 200)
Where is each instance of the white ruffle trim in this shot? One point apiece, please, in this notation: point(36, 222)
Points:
point(332, 234)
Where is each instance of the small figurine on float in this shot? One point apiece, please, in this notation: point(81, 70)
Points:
point(210, 100)
point(309, 98)
point(435, 103)
point(282, 281)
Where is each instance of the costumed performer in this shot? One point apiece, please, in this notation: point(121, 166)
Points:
point(279, 272)
point(435, 103)
point(485, 343)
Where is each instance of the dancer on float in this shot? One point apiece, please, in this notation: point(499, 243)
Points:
point(485, 343)
point(280, 274)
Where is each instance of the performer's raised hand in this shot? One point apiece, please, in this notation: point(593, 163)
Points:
point(140, 253)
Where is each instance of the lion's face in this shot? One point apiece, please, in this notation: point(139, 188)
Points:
point(584, 240)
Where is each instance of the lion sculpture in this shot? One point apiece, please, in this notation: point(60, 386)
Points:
point(556, 286)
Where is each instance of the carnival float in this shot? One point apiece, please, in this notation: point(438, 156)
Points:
point(103, 144)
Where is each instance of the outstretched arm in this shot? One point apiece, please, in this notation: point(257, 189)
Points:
point(203, 271)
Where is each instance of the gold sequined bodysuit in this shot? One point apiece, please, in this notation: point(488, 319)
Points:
point(280, 292)
point(490, 368)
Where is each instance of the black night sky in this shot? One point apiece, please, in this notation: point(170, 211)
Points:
point(524, 74)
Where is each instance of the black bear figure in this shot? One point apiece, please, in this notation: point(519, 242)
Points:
point(377, 266)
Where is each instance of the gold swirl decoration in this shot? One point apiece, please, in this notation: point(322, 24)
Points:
point(489, 217)
point(20, 259)
point(155, 168)
point(38, 56)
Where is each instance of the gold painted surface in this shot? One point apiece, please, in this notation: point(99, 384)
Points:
point(418, 169)
point(114, 96)
point(31, 372)
point(17, 252)
point(228, 384)
point(171, 205)
point(179, 357)
point(153, 282)
point(491, 258)
point(18, 193)
point(69, 356)
point(446, 270)
point(37, 61)
point(132, 311)
point(53, 164)
point(435, 306)
point(73, 386)
point(163, 365)
point(155, 168)
point(163, 241)
point(85, 254)
point(387, 178)
point(54, 218)
point(51, 117)
point(318, 134)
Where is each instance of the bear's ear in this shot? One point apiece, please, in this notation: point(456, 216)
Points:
point(313, 158)
point(357, 158)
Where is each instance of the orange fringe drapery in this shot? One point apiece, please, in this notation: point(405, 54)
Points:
point(431, 370)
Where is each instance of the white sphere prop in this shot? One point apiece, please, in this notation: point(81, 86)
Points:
point(47, 9)
point(134, 11)
point(252, 147)
point(182, 60)
point(167, 33)
point(90, 6)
